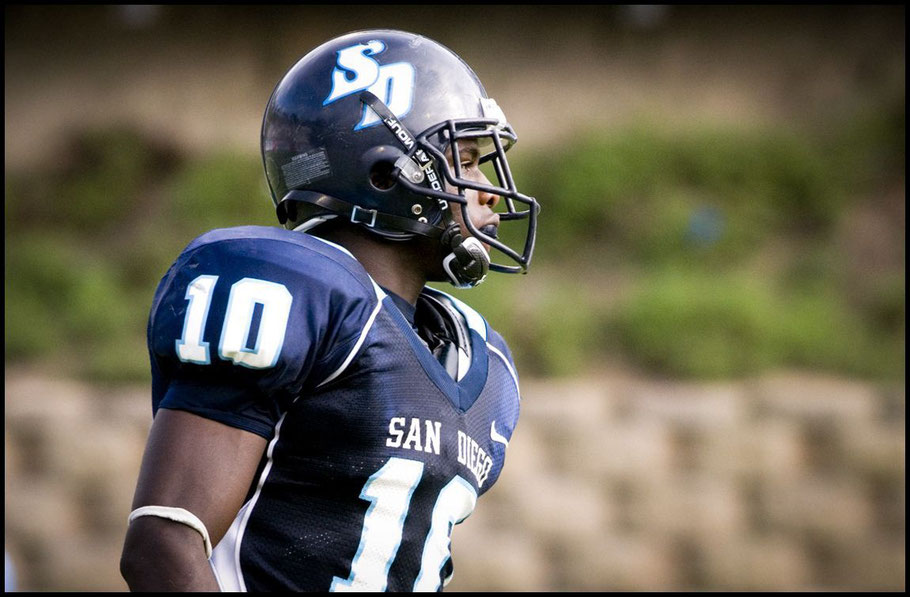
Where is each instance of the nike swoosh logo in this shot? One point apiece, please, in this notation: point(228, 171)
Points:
point(496, 437)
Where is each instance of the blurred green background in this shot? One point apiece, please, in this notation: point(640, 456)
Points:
point(711, 339)
point(769, 234)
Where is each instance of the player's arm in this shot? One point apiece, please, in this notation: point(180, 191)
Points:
point(198, 465)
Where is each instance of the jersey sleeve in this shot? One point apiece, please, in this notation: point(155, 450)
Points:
point(246, 321)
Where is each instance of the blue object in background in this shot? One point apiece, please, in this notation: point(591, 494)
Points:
point(706, 226)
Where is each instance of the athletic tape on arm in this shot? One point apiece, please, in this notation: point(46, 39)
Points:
point(177, 515)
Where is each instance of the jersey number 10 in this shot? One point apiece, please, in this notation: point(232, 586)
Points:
point(389, 492)
point(255, 322)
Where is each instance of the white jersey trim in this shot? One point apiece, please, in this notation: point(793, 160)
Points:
point(380, 294)
point(508, 366)
point(225, 558)
point(363, 335)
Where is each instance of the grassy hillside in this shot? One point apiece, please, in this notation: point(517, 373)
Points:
point(705, 252)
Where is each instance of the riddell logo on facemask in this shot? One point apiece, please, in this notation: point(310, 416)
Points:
point(356, 71)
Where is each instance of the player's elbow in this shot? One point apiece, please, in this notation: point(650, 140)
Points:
point(138, 559)
point(161, 555)
point(130, 565)
point(145, 556)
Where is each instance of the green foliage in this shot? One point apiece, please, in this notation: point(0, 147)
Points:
point(704, 218)
point(707, 252)
point(638, 190)
point(698, 325)
point(219, 191)
point(65, 300)
point(870, 147)
point(704, 325)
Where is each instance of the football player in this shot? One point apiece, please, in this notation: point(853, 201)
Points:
point(322, 418)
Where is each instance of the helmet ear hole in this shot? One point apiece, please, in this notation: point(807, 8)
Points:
point(381, 175)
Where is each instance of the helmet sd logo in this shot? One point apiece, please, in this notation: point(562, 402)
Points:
point(356, 71)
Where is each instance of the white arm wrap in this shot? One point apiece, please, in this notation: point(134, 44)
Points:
point(177, 515)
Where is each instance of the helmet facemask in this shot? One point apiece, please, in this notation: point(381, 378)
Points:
point(419, 170)
point(493, 139)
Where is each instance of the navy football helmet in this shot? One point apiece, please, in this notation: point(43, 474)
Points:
point(359, 129)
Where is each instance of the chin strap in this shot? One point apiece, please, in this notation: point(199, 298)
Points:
point(468, 263)
point(369, 218)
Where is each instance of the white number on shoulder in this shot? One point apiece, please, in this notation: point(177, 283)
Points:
point(255, 322)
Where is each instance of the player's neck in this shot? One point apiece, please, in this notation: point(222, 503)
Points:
point(390, 264)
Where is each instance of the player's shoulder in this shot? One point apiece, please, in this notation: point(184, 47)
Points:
point(277, 253)
point(285, 306)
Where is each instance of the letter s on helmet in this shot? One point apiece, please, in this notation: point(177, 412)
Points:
point(359, 129)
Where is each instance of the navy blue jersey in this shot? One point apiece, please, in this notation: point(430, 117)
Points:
point(376, 448)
